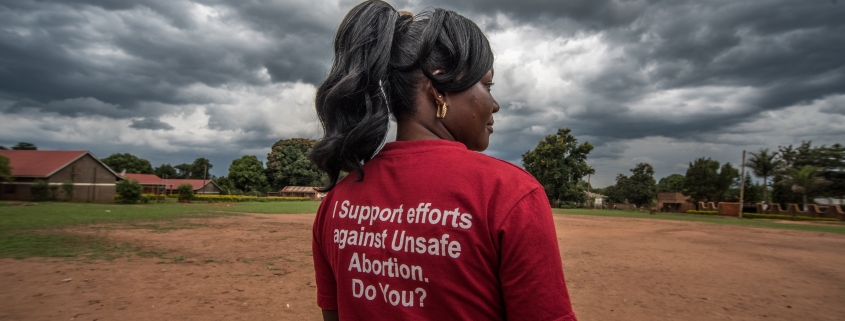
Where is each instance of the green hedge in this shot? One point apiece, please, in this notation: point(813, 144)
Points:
point(787, 217)
point(703, 212)
point(240, 198)
point(154, 197)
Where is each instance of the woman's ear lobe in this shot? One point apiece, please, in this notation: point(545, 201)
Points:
point(438, 96)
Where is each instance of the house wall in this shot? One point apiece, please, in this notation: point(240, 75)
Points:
point(208, 189)
point(92, 182)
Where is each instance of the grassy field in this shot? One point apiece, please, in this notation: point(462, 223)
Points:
point(828, 227)
point(35, 230)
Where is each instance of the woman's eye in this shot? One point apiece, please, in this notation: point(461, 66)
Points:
point(489, 86)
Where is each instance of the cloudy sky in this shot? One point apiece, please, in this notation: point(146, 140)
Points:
point(662, 82)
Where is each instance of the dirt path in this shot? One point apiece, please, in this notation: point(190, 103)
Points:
point(258, 267)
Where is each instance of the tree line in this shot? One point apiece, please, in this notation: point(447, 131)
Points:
point(287, 164)
point(790, 175)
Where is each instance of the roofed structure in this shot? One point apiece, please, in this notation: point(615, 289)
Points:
point(91, 178)
point(302, 191)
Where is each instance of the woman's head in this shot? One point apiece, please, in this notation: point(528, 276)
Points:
point(382, 58)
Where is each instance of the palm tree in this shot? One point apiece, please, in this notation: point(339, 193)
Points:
point(804, 180)
point(763, 164)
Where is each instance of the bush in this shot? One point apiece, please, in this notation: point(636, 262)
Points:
point(39, 191)
point(786, 217)
point(240, 198)
point(157, 198)
point(186, 192)
point(67, 186)
point(702, 212)
point(129, 191)
point(145, 199)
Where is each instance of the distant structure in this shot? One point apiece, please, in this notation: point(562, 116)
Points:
point(153, 184)
point(595, 200)
point(92, 180)
point(302, 191)
point(673, 202)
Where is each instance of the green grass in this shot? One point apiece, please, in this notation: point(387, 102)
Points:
point(760, 223)
point(304, 207)
point(34, 231)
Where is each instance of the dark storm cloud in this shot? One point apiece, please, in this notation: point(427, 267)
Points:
point(129, 53)
point(788, 52)
point(150, 123)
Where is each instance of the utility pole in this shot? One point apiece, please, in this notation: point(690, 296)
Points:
point(742, 186)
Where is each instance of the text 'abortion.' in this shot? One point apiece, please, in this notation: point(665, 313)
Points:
point(399, 241)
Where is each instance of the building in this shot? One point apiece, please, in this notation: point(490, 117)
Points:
point(200, 186)
point(92, 180)
point(151, 183)
point(302, 191)
point(595, 200)
point(674, 202)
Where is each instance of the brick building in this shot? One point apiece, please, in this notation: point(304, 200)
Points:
point(92, 180)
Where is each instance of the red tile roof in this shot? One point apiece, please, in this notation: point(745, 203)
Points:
point(145, 179)
point(42, 163)
point(299, 189)
point(196, 183)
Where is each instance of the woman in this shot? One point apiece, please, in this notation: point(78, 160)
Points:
point(425, 228)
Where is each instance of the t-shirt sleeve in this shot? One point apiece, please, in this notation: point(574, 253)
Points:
point(533, 286)
point(326, 283)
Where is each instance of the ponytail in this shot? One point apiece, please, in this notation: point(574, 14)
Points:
point(350, 103)
point(380, 58)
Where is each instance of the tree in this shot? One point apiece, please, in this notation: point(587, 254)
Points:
point(186, 192)
point(804, 181)
point(3, 147)
point(704, 180)
point(288, 164)
point(828, 161)
point(199, 168)
point(753, 192)
point(614, 194)
point(129, 191)
point(184, 170)
point(247, 171)
point(640, 188)
point(763, 164)
point(559, 163)
point(24, 146)
point(225, 184)
point(166, 171)
point(671, 183)
point(131, 163)
point(5, 169)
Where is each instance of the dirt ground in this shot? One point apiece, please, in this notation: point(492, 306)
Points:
point(258, 267)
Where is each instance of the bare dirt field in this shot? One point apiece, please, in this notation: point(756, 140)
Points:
point(258, 267)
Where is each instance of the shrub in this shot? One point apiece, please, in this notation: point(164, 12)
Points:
point(186, 192)
point(158, 198)
point(67, 186)
point(39, 191)
point(241, 198)
point(129, 191)
point(786, 217)
point(703, 212)
point(145, 198)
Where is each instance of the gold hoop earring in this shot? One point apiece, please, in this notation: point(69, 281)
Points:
point(441, 110)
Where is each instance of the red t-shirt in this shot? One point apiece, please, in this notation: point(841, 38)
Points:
point(438, 232)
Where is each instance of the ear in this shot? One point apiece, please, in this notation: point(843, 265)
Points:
point(438, 96)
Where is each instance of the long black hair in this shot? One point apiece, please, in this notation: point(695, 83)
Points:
point(380, 57)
